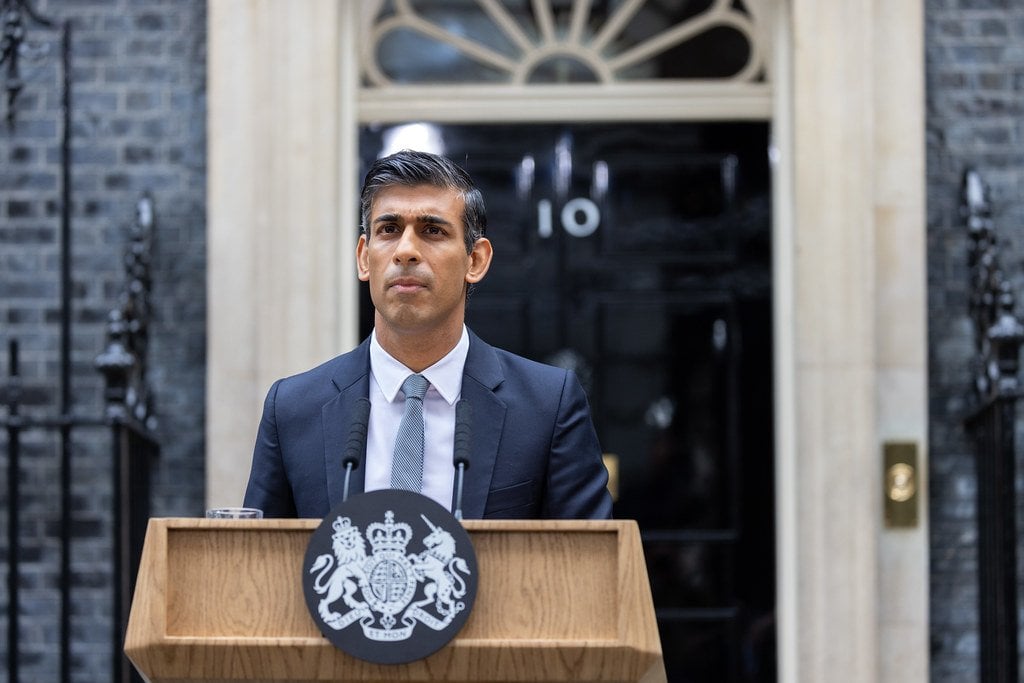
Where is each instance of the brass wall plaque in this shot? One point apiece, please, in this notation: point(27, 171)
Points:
point(900, 483)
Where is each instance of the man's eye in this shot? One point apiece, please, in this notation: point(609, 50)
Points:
point(387, 228)
point(433, 230)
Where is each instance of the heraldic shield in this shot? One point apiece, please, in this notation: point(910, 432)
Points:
point(389, 576)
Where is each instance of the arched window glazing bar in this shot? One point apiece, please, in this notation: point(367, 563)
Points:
point(602, 42)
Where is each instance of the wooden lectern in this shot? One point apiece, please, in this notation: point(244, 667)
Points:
point(221, 600)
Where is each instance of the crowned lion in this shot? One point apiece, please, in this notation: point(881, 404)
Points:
point(347, 575)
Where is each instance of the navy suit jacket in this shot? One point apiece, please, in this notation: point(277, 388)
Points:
point(534, 453)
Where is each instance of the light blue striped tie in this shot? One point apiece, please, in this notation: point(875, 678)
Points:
point(407, 461)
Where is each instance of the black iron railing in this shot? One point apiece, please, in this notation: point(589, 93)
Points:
point(998, 336)
point(128, 418)
point(128, 415)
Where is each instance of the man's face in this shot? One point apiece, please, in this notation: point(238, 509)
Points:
point(414, 257)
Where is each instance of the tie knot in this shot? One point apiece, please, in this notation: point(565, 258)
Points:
point(415, 386)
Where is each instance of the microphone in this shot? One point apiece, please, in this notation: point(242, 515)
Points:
point(460, 454)
point(355, 449)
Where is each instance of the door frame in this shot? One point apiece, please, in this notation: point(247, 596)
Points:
point(847, 112)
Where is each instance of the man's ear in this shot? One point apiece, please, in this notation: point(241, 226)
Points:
point(479, 260)
point(362, 259)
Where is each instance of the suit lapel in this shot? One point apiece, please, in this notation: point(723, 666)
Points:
point(481, 377)
point(352, 379)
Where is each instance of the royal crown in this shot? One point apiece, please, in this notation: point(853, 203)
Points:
point(389, 536)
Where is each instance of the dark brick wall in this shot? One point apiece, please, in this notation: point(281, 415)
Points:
point(975, 118)
point(139, 79)
point(138, 102)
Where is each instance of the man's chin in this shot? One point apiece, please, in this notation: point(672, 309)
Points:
point(408, 320)
point(411, 321)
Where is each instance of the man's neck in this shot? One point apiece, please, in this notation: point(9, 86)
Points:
point(417, 351)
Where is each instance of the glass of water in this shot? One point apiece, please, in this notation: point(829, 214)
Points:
point(234, 513)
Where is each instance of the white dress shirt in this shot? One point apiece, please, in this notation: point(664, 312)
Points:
point(387, 405)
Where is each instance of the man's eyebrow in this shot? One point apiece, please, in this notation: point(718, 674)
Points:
point(386, 218)
point(425, 218)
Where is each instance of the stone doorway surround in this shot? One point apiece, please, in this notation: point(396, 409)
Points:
point(847, 110)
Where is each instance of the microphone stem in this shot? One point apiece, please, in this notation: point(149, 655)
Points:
point(348, 473)
point(458, 490)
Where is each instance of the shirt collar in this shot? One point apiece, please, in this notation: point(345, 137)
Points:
point(445, 376)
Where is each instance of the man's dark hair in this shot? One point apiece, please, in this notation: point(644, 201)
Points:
point(411, 168)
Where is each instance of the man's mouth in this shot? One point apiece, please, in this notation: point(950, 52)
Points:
point(407, 285)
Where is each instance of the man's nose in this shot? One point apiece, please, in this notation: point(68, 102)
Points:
point(407, 250)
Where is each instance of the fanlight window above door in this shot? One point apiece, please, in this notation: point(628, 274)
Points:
point(532, 42)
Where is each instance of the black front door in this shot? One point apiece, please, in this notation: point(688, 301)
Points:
point(639, 255)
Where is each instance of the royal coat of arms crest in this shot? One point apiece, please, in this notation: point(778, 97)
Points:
point(371, 576)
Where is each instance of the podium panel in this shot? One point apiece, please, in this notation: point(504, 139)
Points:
point(221, 600)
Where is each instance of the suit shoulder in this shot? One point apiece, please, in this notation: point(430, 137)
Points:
point(520, 370)
point(492, 366)
point(343, 369)
point(523, 364)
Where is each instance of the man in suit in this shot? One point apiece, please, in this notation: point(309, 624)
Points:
point(534, 452)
